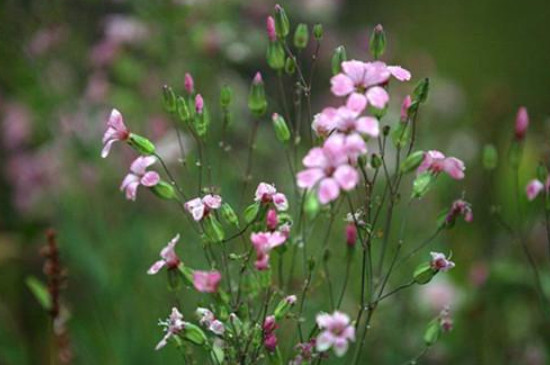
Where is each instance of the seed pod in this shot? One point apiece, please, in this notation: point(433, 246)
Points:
point(281, 129)
point(282, 24)
point(141, 144)
point(318, 31)
point(490, 157)
point(338, 57)
point(226, 96)
point(377, 42)
point(257, 102)
point(412, 162)
point(169, 99)
point(301, 36)
point(275, 55)
point(164, 190)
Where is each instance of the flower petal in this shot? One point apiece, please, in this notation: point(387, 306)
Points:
point(151, 178)
point(155, 268)
point(369, 126)
point(399, 73)
point(347, 177)
point(341, 85)
point(378, 97)
point(308, 178)
point(328, 190)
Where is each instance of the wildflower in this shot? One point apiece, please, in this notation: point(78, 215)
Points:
point(405, 108)
point(199, 104)
point(200, 208)
point(189, 83)
point(460, 207)
point(168, 257)
point(329, 166)
point(270, 339)
point(522, 122)
point(351, 234)
point(207, 319)
point(346, 119)
point(172, 326)
point(306, 352)
point(139, 176)
point(272, 220)
point(445, 319)
point(266, 193)
point(534, 187)
point(336, 332)
point(206, 281)
point(440, 263)
point(116, 131)
point(270, 25)
point(263, 243)
point(436, 162)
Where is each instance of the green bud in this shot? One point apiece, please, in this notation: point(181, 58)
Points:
point(282, 24)
point(164, 190)
point(202, 121)
point(490, 157)
point(301, 36)
point(412, 162)
point(141, 144)
point(169, 99)
point(377, 42)
point(318, 31)
point(213, 228)
point(290, 66)
point(251, 212)
point(257, 102)
point(194, 334)
point(422, 184)
point(420, 93)
point(226, 95)
point(183, 110)
point(281, 129)
point(229, 214)
point(311, 205)
point(311, 264)
point(338, 57)
point(386, 130)
point(375, 161)
point(275, 55)
point(284, 307)
point(424, 273)
point(432, 332)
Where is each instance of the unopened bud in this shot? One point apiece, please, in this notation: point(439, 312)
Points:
point(424, 273)
point(412, 162)
point(257, 102)
point(284, 307)
point(272, 220)
point(169, 99)
point(522, 122)
point(338, 57)
point(281, 129)
point(290, 66)
point(275, 55)
point(141, 144)
point(405, 108)
point(351, 234)
point(378, 42)
point(301, 36)
point(282, 24)
point(375, 161)
point(226, 95)
point(318, 31)
point(183, 111)
point(199, 103)
point(420, 93)
point(490, 157)
point(189, 83)
point(270, 27)
point(229, 214)
point(164, 190)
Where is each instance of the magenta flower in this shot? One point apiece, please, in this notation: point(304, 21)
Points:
point(116, 131)
point(189, 83)
point(272, 219)
point(522, 122)
point(168, 257)
point(534, 187)
point(199, 103)
point(266, 193)
point(270, 339)
point(351, 234)
point(200, 208)
point(270, 26)
point(435, 162)
point(336, 332)
point(440, 263)
point(139, 176)
point(172, 326)
point(330, 166)
point(345, 119)
point(460, 207)
point(206, 281)
point(263, 243)
point(407, 102)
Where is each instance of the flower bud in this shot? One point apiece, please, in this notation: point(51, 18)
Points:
point(522, 122)
point(351, 234)
point(490, 157)
point(377, 42)
point(194, 334)
point(251, 212)
point(290, 66)
point(338, 57)
point(284, 306)
point(318, 31)
point(270, 27)
point(226, 95)
point(420, 93)
point(424, 273)
point(257, 102)
point(272, 220)
point(275, 55)
point(282, 24)
point(169, 99)
point(422, 184)
point(405, 109)
point(141, 144)
point(432, 333)
point(301, 36)
point(375, 161)
point(182, 110)
point(199, 104)
point(189, 83)
point(412, 162)
point(164, 190)
point(229, 214)
point(281, 129)
point(213, 228)
point(202, 121)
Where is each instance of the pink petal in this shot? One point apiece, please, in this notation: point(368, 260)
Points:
point(116, 121)
point(131, 190)
point(308, 178)
point(454, 167)
point(335, 149)
point(355, 70)
point(315, 158)
point(369, 126)
point(276, 239)
point(357, 102)
point(347, 177)
point(280, 201)
point(341, 85)
point(378, 97)
point(264, 189)
point(151, 178)
point(355, 146)
point(324, 320)
point(128, 179)
point(376, 73)
point(340, 346)
point(328, 190)
point(399, 73)
point(107, 148)
point(534, 187)
point(212, 201)
point(141, 163)
point(324, 341)
point(155, 268)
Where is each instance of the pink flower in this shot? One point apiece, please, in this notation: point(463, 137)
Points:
point(189, 83)
point(263, 243)
point(172, 326)
point(445, 319)
point(405, 108)
point(199, 103)
point(257, 78)
point(330, 166)
point(139, 176)
point(270, 25)
point(272, 220)
point(345, 119)
point(460, 207)
point(168, 257)
point(534, 187)
point(440, 263)
point(351, 234)
point(200, 208)
point(269, 327)
point(336, 332)
point(522, 122)
point(207, 319)
point(266, 193)
point(435, 162)
point(116, 131)
point(206, 281)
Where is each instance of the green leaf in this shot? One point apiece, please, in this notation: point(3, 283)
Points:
point(40, 292)
point(217, 354)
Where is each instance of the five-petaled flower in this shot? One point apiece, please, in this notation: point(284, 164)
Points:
point(266, 193)
point(337, 331)
point(263, 243)
point(168, 257)
point(440, 263)
point(201, 207)
point(139, 176)
point(116, 131)
point(173, 325)
point(435, 162)
point(345, 119)
point(206, 281)
point(535, 187)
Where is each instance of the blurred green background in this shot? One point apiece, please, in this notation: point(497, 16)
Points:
point(64, 65)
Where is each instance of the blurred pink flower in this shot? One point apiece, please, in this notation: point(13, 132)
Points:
point(460, 207)
point(116, 131)
point(97, 88)
point(263, 243)
point(445, 319)
point(139, 176)
point(336, 332)
point(168, 257)
point(270, 26)
point(440, 293)
point(266, 193)
point(269, 327)
point(207, 319)
point(172, 326)
point(272, 220)
point(535, 186)
point(199, 103)
point(440, 263)
point(405, 108)
point(351, 234)
point(435, 162)
point(189, 83)
point(522, 123)
point(200, 208)
point(206, 281)
point(122, 29)
point(16, 125)
point(45, 39)
point(478, 274)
